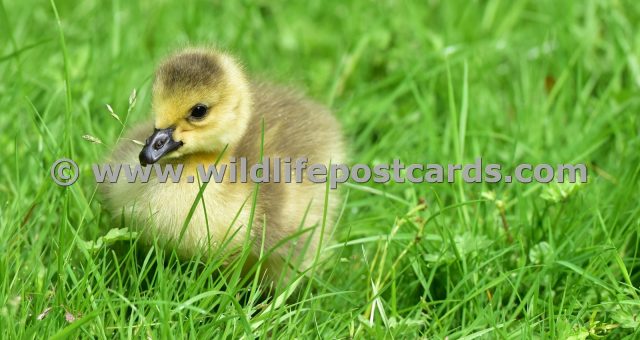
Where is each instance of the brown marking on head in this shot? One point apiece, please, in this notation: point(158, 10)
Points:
point(188, 71)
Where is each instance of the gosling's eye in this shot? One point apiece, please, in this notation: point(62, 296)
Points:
point(198, 111)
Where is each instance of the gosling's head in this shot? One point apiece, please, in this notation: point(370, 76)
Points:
point(201, 101)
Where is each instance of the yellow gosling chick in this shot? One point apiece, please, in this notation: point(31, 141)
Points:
point(207, 109)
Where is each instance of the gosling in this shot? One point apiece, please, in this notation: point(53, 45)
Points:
point(207, 110)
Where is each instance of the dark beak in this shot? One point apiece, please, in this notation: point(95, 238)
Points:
point(157, 145)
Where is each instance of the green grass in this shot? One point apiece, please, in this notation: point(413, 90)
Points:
point(422, 81)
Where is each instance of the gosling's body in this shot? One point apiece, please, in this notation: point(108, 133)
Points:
point(291, 126)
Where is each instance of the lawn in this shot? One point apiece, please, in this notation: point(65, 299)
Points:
point(421, 81)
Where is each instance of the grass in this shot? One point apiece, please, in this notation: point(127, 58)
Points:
point(425, 82)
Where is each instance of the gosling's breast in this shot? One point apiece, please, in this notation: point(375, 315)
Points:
point(160, 210)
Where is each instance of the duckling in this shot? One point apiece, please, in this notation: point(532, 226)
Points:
point(206, 110)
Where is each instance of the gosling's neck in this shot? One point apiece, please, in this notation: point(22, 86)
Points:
point(205, 159)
